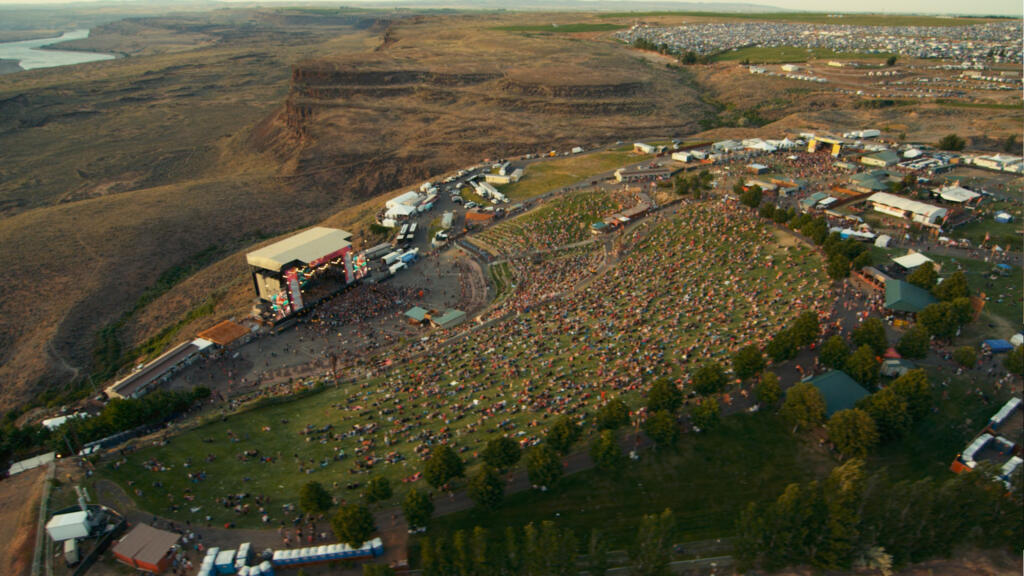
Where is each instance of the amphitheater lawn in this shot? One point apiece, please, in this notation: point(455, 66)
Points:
point(563, 354)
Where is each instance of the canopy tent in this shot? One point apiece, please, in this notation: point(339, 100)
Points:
point(956, 194)
point(913, 260)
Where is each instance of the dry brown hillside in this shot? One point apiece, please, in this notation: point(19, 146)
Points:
point(120, 175)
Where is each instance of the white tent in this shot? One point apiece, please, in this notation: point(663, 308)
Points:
point(912, 260)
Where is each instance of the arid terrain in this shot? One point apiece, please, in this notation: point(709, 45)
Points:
point(131, 188)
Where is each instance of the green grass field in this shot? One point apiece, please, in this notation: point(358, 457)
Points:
point(541, 177)
point(562, 28)
point(778, 55)
point(706, 480)
point(816, 18)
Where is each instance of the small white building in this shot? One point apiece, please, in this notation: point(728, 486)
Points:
point(643, 148)
point(789, 67)
point(956, 194)
point(682, 156)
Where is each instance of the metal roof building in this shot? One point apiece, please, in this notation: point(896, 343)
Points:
point(906, 208)
point(902, 296)
point(839, 391)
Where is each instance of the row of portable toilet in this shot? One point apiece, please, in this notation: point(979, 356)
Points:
point(327, 553)
point(264, 568)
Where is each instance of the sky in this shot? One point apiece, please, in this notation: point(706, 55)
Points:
point(975, 7)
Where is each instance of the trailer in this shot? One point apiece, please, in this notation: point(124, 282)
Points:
point(395, 267)
point(411, 234)
point(447, 219)
point(377, 251)
point(392, 257)
point(411, 256)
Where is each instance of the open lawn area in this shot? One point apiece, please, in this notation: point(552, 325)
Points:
point(778, 55)
point(706, 480)
point(1003, 293)
point(541, 177)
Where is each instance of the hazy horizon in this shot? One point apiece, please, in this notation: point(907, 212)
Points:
point(923, 7)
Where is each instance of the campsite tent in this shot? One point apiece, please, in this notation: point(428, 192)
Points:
point(998, 346)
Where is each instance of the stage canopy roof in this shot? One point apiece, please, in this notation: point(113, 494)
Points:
point(309, 247)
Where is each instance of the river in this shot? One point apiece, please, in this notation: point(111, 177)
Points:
point(30, 55)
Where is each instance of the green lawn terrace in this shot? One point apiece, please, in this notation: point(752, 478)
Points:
point(695, 286)
point(554, 224)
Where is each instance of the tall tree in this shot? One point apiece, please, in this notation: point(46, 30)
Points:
point(605, 451)
point(924, 277)
point(952, 287)
point(377, 490)
point(914, 388)
point(443, 466)
point(543, 466)
point(563, 434)
point(664, 395)
point(460, 554)
point(417, 508)
point(483, 564)
point(768, 390)
point(863, 365)
point(806, 328)
point(965, 356)
point(502, 452)
point(1014, 361)
point(707, 414)
point(709, 378)
point(914, 343)
point(890, 413)
point(782, 347)
point(871, 332)
point(353, 524)
point(485, 488)
point(652, 551)
point(940, 320)
point(661, 427)
point(804, 406)
point(834, 352)
point(314, 499)
point(613, 415)
point(853, 432)
point(597, 554)
point(747, 362)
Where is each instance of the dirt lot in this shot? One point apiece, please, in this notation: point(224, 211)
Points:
point(19, 506)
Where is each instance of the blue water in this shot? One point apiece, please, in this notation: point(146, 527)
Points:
point(29, 55)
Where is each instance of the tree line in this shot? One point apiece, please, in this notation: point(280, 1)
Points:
point(853, 518)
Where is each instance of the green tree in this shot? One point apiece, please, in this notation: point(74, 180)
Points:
point(664, 395)
point(890, 413)
point(951, 142)
point(613, 415)
point(652, 551)
point(503, 453)
point(562, 434)
point(512, 559)
point(891, 60)
point(485, 488)
point(834, 352)
point(965, 356)
point(543, 466)
point(709, 378)
point(747, 362)
point(804, 406)
point(443, 466)
point(314, 499)
point(752, 197)
point(461, 563)
point(952, 287)
point(940, 320)
point(483, 564)
point(707, 414)
point(924, 277)
point(661, 427)
point(782, 347)
point(1014, 361)
point(838, 266)
point(768, 390)
point(914, 388)
point(871, 332)
point(597, 554)
point(914, 343)
point(853, 432)
point(863, 366)
point(377, 490)
point(806, 328)
point(417, 508)
point(605, 451)
point(353, 524)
